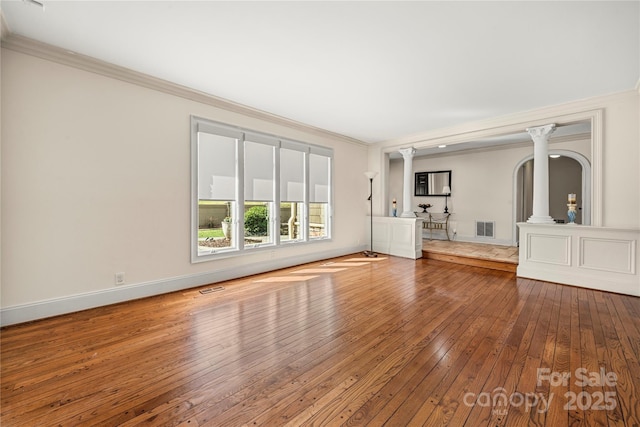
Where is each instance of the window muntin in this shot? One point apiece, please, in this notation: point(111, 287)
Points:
point(265, 190)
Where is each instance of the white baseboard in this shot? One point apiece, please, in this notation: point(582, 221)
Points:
point(583, 279)
point(469, 239)
point(57, 306)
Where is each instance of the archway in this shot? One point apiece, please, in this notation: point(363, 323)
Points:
point(564, 176)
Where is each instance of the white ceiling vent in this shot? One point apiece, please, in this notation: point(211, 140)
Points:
point(485, 229)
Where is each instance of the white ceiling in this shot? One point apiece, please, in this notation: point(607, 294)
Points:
point(373, 71)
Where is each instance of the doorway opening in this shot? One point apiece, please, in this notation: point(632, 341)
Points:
point(569, 172)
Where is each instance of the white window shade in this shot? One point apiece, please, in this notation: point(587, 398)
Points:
point(216, 167)
point(258, 172)
point(319, 172)
point(291, 175)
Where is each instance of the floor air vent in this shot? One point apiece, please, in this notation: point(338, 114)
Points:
point(210, 290)
point(485, 228)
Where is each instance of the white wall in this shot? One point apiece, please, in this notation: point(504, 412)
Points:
point(96, 180)
point(481, 186)
point(621, 165)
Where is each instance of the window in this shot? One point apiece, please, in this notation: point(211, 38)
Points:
point(252, 190)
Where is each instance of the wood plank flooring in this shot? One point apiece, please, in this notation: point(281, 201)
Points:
point(348, 341)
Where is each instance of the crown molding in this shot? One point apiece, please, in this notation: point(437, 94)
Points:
point(56, 54)
point(4, 28)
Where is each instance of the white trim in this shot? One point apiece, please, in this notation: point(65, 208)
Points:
point(5, 31)
point(57, 306)
point(627, 247)
point(581, 279)
point(533, 241)
point(596, 167)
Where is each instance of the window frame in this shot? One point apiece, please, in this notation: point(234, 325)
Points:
point(199, 124)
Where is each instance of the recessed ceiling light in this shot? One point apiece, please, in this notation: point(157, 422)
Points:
point(554, 156)
point(441, 146)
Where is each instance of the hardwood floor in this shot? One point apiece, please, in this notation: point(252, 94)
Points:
point(348, 341)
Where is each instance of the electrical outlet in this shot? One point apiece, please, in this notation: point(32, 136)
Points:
point(119, 278)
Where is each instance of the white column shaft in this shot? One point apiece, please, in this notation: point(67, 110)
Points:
point(540, 136)
point(407, 155)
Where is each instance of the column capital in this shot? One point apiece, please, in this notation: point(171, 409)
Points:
point(541, 132)
point(407, 153)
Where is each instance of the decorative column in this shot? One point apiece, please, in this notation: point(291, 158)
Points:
point(407, 155)
point(540, 136)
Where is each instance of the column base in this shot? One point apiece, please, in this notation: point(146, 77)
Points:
point(408, 214)
point(540, 220)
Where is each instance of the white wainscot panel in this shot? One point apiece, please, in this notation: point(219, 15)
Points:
point(615, 256)
point(591, 257)
point(402, 233)
point(549, 249)
point(397, 236)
